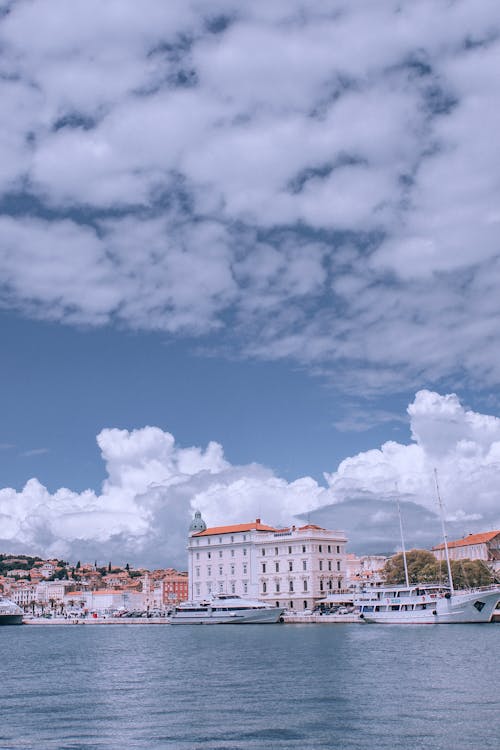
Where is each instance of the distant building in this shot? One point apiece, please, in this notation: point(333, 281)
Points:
point(292, 567)
point(172, 589)
point(364, 570)
point(484, 546)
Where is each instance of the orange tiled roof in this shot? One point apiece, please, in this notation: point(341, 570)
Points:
point(252, 526)
point(485, 536)
point(311, 526)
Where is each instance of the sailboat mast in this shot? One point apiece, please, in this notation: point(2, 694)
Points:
point(445, 538)
point(402, 538)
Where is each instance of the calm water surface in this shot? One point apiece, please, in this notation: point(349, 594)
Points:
point(283, 686)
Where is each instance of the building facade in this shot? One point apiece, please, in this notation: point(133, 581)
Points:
point(484, 546)
point(292, 567)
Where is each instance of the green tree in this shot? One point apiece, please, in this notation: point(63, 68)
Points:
point(78, 565)
point(422, 567)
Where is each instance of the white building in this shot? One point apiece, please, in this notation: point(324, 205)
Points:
point(291, 567)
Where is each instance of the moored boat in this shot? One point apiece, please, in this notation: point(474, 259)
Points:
point(10, 613)
point(225, 610)
point(427, 604)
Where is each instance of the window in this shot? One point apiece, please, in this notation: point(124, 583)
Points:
point(244, 551)
point(329, 564)
point(244, 537)
point(338, 550)
point(209, 541)
point(232, 539)
point(233, 588)
point(197, 587)
point(277, 567)
point(321, 564)
point(339, 585)
point(197, 541)
point(209, 570)
point(263, 567)
point(289, 550)
point(276, 551)
point(209, 588)
point(197, 571)
point(338, 565)
point(290, 586)
point(330, 585)
point(197, 555)
point(232, 553)
point(329, 548)
point(245, 588)
point(232, 570)
point(304, 564)
point(221, 588)
point(264, 588)
point(305, 585)
point(305, 604)
point(291, 605)
point(277, 588)
point(220, 553)
point(277, 604)
point(303, 548)
point(290, 565)
point(263, 552)
point(220, 570)
point(321, 585)
point(220, 540)
point(320, 548)
point(244, 568)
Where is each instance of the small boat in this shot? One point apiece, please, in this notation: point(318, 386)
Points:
point(10, 613)
point(225, 609)
point(427, 604)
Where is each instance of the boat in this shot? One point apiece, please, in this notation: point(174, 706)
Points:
point(225, 609)
point(10, 613)
point(427, 604)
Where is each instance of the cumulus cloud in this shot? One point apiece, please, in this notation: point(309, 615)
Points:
point(158, 174)
point(153, 486)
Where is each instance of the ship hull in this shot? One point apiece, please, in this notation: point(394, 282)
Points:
point(11, 619)
point(243, 617)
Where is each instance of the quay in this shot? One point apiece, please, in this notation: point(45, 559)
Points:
point(97, 621)
point(298, 618)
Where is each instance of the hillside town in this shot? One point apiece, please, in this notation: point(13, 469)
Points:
point(294, 568)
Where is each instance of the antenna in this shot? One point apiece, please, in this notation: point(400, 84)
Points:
point(445, 538)
point(402, 536)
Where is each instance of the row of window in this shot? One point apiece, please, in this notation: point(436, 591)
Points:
point(220, 588)
point(328, 548)
point(221, 570)
point(222, 540)
point(221, 554)
point(291, 589)
point(304, 566)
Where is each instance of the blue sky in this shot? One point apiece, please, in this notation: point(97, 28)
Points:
point(247, 256)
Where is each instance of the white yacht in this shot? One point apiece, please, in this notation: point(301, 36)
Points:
point(427, 604)
point(225, 609)
point(10, 613)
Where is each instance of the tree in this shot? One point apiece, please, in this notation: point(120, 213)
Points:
point(127, 567)
point(78, 565)
point(422, 567)
point(109, 567)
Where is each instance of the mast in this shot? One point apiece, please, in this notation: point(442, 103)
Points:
point(402, 537)
point(445, 538)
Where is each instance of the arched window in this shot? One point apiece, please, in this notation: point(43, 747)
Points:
point(264, 588)
point(290, 588)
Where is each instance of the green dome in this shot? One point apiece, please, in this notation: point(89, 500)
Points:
point(197, 524)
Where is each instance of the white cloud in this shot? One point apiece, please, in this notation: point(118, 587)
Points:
point(153, 486)
point(176, 179)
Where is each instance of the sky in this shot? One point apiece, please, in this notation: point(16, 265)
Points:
point(249, 264)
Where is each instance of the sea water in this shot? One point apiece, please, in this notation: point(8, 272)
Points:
point(250, 686)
